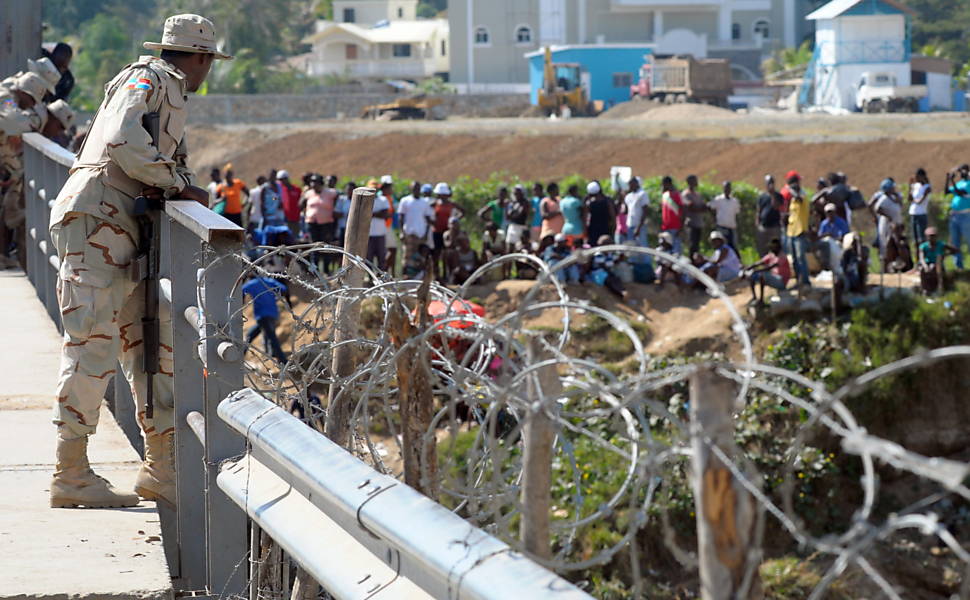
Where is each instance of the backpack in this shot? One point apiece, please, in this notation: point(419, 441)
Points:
point(856, 200)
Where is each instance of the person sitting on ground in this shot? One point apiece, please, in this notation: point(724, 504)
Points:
point(462, 260)
point(601, 269)
point(833, 226)
point(557, 252)
point(855, 264)
point(665, 268)
point(932, 271)
point(264, 292)
point(724, 264)
point(416, 263)
point(493, 246)
point(772, 270)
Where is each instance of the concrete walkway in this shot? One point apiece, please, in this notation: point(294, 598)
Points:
point(59, 554)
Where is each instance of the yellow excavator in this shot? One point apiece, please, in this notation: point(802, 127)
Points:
point(414, 107)
point(562, 85)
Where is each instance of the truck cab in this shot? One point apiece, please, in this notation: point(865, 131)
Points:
point(879, 92)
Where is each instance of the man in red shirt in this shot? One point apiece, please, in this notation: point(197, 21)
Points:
point(672, 212)
point(290, 197)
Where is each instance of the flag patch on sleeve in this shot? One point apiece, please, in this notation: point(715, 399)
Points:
point(139, 83)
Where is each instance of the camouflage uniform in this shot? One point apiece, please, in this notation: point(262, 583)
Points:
point(95, 233)
point(14, 122)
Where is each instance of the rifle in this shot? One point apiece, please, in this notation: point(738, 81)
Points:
point(149, 258)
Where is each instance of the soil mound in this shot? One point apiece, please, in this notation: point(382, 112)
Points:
point(631, 109)
point(685, 112)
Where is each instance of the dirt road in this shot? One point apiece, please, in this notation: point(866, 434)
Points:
point(868, 148)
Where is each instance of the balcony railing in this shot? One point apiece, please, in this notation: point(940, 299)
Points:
point(864, 52)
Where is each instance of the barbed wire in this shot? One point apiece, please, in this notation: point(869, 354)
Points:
point(621, 483)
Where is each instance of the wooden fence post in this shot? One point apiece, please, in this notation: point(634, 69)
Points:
point(538, 436)
point(348, 313)
point(726, 512)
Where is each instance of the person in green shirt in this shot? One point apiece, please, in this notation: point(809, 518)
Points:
point(494, 211)
point(931, 264)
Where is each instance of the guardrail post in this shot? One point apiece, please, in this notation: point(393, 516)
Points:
point(538, 436)
point(348, 313)
point(725, 511)
point(226, 525)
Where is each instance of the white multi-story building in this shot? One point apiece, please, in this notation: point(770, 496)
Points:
point(378, 39)
point(490, 37)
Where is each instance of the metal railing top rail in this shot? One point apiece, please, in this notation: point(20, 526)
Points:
point(50, 149)
point(200, 220)
point(438, 550)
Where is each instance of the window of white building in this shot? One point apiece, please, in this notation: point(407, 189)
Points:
point(523, 35)
point(482, 37)
point(736, 31)
point(402, 50)
point(444, 47)
point(762, 29)
point(350, 15)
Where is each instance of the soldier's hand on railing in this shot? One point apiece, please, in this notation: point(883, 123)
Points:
point(153, 193)
point(192, 192)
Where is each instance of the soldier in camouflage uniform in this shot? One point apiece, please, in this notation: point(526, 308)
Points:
point(95, 233)
point(21, 111)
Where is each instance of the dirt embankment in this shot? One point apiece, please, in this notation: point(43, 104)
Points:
point(431, 157)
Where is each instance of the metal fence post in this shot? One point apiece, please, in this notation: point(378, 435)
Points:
point(348, 312)
point(538, 436)
point(726, 512)
point(226, 526)
point(185, 250)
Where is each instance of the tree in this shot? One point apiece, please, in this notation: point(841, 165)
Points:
point(105, 47)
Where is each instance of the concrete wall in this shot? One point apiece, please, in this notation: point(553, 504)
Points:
point(222, 109)
point(20, 34)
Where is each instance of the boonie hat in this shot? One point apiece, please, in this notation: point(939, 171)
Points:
point(442, 189)
point(189, 33)
point(63, 112)
point(32, 84)
point(47, 71)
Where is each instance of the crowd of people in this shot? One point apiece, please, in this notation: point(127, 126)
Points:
point(795, 230)
point(33, 100)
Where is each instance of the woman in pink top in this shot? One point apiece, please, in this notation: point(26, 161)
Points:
point(552, 219)
point(319, 203)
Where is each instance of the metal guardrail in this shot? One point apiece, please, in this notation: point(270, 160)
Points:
point(358, 533)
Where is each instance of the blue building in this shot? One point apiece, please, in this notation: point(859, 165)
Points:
point(608, 69)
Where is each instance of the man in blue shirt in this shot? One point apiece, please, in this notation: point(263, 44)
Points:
point(833, 225)
point(264, 292)
point(959, 209)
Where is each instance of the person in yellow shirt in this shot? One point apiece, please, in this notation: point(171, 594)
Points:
point(799, 214)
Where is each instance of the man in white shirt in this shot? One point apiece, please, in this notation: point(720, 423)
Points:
point(416, 217)
point(377, 242)
point(726, 209)
point(637, 202)
point(256, 205)
point(216, 176)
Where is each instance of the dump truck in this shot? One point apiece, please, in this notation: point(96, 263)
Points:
point(683, 78)
point(562, 86)
point(414, 107)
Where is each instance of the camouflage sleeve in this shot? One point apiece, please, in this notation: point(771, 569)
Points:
point(10, 161)
point(14, 121)
point(128, 144)
point(181, 163)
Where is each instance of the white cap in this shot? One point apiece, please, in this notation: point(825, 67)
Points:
point(593, 187)
point(284, 174)
point(717, 235)
point(829, 207)
point(666, 236)
point(386, 179)
point(560, 237)
point(442, 189)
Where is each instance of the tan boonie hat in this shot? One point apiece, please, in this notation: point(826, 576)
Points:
point(189, 33)
point(63, 112)
point(32, 84)
point(47, 71)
